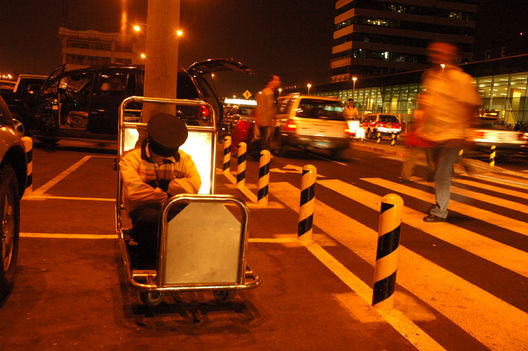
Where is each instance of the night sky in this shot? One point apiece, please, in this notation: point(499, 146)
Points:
point(291, 38)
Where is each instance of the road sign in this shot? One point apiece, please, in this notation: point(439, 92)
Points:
point(247, 94)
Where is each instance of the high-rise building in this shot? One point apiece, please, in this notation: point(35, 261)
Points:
point(373, 37)
point(82, 48)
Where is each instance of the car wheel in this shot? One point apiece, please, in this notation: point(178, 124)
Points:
point(337, 154)
point(9, 229)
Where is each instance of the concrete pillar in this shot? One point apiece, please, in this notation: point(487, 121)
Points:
point(161, 63)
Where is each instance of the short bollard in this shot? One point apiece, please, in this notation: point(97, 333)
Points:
point(492, 156)
point(28, 147)
point(227, 155)
point(263, 181)
point(306, 210)
point(387, 251)
point(241, 164)
point(378, 138)
point(393, 139)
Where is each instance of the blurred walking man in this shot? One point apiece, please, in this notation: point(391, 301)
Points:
point(450, 100)
point(265, 113)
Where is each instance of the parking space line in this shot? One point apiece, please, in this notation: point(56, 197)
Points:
point(40, 197)
point(67, 236)
point(52, 197)
point(61, 176)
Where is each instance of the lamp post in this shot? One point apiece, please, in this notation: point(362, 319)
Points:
point(308, 86)
point(354, 87)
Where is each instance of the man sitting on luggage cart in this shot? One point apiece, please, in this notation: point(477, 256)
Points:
point(151, 175)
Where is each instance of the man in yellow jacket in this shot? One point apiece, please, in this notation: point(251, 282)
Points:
point(152, 174)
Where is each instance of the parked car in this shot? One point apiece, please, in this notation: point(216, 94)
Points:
point(23, 98)
point(489, 132)
point(384, 123)
point(13, 181)
point(238, 121)
point(6, 86)
point(311, 122)
point(84, 103)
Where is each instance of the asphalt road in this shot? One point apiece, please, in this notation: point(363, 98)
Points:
point(460, 285)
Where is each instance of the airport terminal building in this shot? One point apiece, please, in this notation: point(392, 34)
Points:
point(502, 84)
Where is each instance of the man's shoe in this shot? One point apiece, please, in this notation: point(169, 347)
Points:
point(433, 218)
point(404, 180)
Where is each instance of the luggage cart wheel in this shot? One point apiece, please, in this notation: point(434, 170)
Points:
point(224, 295)
point(151, 298)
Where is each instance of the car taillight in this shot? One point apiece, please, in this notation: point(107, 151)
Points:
point(204, 112)
point(290, 126)
point(349, 132)
point(480, 134)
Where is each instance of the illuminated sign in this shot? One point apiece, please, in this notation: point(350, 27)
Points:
point(240, 102)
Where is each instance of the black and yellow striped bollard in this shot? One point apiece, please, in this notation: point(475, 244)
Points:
point(387, 251)
point(378, 138)
point(241, 164)
point(492, 156)
point(306, 210)
point(263, 181)
point(28, 148)
point(393, 139)
point(227, 155)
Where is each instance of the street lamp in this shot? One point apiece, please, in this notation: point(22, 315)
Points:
point(354, 87)
point(308, 86)
point(280, 91)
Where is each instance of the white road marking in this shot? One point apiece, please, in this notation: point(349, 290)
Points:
point(444, 291)
point(488, 198)
point(500, 190)
point(502, 181)
point(68, 236)
point(471, 211)
point(61, 176)
point(479, 245)
point(52, 197)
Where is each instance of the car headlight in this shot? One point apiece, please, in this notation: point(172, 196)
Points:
point(525, 136)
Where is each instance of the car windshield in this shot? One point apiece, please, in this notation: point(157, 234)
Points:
point(245, 110)
point(324, 109)
point(388, 119)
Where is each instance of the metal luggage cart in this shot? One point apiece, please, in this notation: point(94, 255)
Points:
point(204, 246)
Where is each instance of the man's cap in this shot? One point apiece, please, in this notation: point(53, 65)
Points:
point(166, 133)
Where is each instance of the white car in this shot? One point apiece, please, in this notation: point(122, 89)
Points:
point(489, 132)
point(311, 122)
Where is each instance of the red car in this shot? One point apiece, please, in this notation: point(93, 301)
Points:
point(383, 123)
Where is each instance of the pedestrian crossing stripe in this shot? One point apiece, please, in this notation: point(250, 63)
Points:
point(479, 245)
point(471, 211)
point(437, 286)
point(497, 201)
point(500, 190)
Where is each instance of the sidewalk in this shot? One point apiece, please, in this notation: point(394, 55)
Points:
point(400, 150)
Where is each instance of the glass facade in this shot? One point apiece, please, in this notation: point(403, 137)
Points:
point(504, 93)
